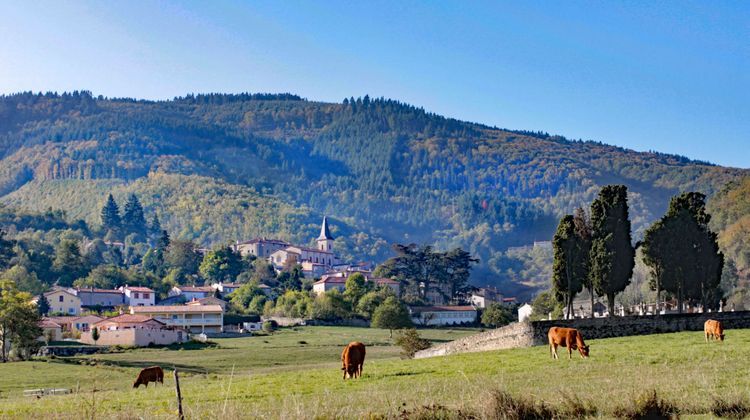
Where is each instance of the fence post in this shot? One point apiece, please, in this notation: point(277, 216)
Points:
point(180, 416)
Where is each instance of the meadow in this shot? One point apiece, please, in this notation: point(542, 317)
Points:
point(296, 374)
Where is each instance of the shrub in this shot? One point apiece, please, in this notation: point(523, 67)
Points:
point(502, 405)
point(270, 326)
point(410, 342)
point(648, 406)
point(735, 409)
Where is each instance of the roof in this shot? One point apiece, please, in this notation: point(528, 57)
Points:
point(48, 323)
point(384, 281)
point(63, 319)
point(138, 289)
point(264, 286)
point(231, 285)
point(331, 280)
point(89, 318)
point(175, 309)
point(210, 300)
point(95, 290)
point(207, 289)
point(419, 309)
point(263, 240)
point(129, 319)
point(56, 289)
point(325, 233)
point(304, 248)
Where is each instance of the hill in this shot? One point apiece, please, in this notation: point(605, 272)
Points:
point(221, 168)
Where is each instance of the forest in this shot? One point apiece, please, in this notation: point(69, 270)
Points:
point(217, 168)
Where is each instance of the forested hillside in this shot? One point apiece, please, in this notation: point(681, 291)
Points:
point(219, 168)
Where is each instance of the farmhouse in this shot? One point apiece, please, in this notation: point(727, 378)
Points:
point(194, 318)
point(50, 330)
point(93, 298)
point(330, 282)
point(138, 296)
point(442, 315)
point(62, 300)
point(209, 301)
point(191, 292)
point(226, 288)
point(134, 330)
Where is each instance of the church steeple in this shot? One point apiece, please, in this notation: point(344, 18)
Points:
point(325, 239)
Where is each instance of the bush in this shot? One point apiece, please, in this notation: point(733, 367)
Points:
point(270, 326)
point(648, 406)
point(410, 342)
point(502, 405)
point(735, 409)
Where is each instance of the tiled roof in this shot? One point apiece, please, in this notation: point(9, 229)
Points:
point(128, 319)
point(95, 290)
point(48, 323)
point(175, 309)
point(138, 289)
point(332, 280)
point(419, 309)
point(207, 289)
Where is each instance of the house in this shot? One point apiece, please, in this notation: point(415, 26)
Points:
point(191, 292)
point(442, 315)
point(194, 318)
point(313, 270)
point(524, 312)
point(94, 298)
point(84, 323)
point(484, 296)
point(299, 254)
point(226, 288)
point(65, 322)
point(390, 283)
point(172, 300)
point(51, 330)
point(209, 301)
point(62, 300)
point(138, 296)
point(329, 282)
point(134, 330)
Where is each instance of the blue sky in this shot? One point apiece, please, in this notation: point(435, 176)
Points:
point(666, 76)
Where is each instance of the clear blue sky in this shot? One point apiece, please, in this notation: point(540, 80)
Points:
point(667, 76)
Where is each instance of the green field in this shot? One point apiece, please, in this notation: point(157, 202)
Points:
point(281, 377)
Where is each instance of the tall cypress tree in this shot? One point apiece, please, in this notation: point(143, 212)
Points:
point(133, 220)
point(567, 266)
point(111, 215)
point(612, 255)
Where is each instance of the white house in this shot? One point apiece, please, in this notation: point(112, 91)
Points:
point(482, 297)
point(335, 282)
point(442, 315)
point(524, 312)
point(191, 292)
point(138, 296)
point(194, 318)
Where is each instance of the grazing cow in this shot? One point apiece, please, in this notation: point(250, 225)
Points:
point(150, 374)
point(567, 337)
point(714, 330)
point(352, 359)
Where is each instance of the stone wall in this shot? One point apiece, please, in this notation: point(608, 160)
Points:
point(527, 334)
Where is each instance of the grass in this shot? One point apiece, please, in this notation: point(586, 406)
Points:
point(276, 376)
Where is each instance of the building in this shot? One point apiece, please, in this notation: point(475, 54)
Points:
point(194, 318)
point(524, 312)
point(62, 300)
point(294, 254)
point(260, 247)
point(51, 330)
point(84, 323)
point(330, 282)
point(484, 296)
point(209, 301)
point(191, 292)
point(138, 296)
point(136, 331)
point(94, 298)
point(443, 315)
point(226, 288)
point(172, 300)
point(313, 270)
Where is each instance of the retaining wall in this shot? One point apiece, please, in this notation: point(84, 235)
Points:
point(527, 334)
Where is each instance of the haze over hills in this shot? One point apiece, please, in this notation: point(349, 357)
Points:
point(218, 168)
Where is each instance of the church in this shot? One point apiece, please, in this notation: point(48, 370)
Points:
point(314, 261)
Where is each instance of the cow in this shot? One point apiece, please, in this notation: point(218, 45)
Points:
point(714, 330)
point(352, 360)
point(568, 337)
point(150, 374)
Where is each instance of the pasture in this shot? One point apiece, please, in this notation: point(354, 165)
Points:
point(281, 377)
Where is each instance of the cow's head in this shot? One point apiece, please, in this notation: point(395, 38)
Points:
point(136, 383)
point(721, 337)
point(584, 351)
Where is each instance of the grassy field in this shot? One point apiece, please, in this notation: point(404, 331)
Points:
point(279, 377)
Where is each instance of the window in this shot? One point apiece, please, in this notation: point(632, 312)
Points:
point(146, 295)
point(135, 295)
point(61, 298)
point(71, 310)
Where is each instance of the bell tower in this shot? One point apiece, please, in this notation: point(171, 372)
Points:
point(325, 239)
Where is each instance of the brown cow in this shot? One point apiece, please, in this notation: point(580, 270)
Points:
point(150, 374)
point(713, 329)
point(567, 337)
point(352, 359)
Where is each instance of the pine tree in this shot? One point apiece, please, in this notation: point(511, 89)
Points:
point(111, 215)
point(42, 305)
point(133, 220)
point(612, 255)
point(154, 228)
point(163, 243)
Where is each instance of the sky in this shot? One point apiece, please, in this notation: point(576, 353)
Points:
point(667, 76)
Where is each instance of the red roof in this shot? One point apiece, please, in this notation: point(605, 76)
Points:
point(48, 323)
point(95, 290)
point(175, 309)
point(331, 280)
point(138, 289)
point(129, 319)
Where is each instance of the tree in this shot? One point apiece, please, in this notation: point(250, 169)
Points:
point(133, 219)
point(164, 241)
point(181, 254)
point(612, 255)
point(24, 281)
point(104, 277)
point(6, 251)
point(95, 334)
point(371, 300)
point(42, 305)
point(570, 263)
point(657, 248)
point(582, 224)
point(19, 322)
point(410, 342)
point(68, 264)
point(356, 287)
point(111, 220)
point(391, 315)
point(544, 305)
point(330, 306)
point(221, 264)
point(496, 315)
point(154, 228)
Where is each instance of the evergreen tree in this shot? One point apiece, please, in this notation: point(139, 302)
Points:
point(612, 253)
point(111, 215)
point(69, 265)
point(6, 251)
point(154, 228)
point(95, 334)
point(133, 220)
point(583, 236)
point(163, 243)
point(42, 305)
point(569, 265)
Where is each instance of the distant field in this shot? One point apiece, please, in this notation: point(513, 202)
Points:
point(283, 378)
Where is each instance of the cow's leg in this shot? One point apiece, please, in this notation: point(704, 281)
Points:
point(706, 333)
point(553, 349)
point(570, 352)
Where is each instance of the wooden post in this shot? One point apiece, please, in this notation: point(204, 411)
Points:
point(180, 416)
